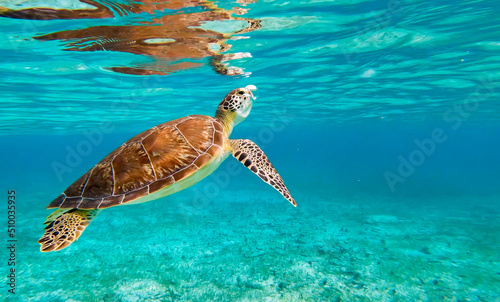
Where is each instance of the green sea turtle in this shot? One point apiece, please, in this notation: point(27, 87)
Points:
point(158, 162)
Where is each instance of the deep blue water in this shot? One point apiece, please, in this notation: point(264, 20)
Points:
point(382, 117)
point(348, 158)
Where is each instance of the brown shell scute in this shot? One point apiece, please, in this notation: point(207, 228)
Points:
point(146, 163)
point(100, 181)
point(168, 151)
point(131, 170)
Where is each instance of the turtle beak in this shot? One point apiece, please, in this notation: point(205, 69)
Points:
point(250, 88)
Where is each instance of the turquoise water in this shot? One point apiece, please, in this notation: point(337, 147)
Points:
point(382, 117)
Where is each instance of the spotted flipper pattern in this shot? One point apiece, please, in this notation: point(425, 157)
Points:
point(252, 157)
point(64, 227)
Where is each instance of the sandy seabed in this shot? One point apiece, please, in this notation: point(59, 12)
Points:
point(248, 247)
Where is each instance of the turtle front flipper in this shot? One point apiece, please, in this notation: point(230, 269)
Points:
point(250, 155)
point(64, 227)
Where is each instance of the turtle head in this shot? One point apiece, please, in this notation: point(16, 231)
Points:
point(236, 106)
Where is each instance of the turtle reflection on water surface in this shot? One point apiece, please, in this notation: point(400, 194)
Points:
point(176, 40)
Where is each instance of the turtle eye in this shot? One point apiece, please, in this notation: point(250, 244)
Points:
point(241, 92)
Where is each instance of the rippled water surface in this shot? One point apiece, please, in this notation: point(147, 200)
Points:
point(382, 117)
point(329, 61)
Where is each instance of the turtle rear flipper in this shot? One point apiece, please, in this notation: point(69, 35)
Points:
point(65, 228)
